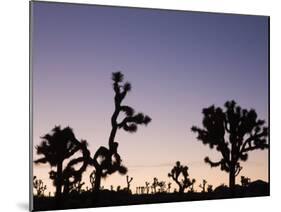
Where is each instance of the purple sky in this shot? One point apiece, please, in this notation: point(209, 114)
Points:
point(177, 62)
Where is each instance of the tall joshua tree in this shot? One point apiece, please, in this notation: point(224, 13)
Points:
point(234, 132)
point(107, 160)
point(180, 171)
point(58, 146)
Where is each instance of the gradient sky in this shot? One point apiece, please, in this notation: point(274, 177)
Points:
point(177, 62)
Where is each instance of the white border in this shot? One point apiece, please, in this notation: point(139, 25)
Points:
point(14, 88)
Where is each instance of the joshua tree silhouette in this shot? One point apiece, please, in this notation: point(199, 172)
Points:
point(169, 187)
point(147, 187)
point(245, 133)
point(107, 160)
point(203, 185)
point(162, 186)
point(39, 186)
point(154, 185)
point(129, 180)
point(245, 181)
point(177, 171)
point(58, 146)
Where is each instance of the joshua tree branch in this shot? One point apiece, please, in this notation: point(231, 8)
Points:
point(265, 146)
point(213, 164)
point(252, 138)
point(237, 171)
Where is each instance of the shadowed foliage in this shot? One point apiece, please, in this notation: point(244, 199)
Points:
point(179, 174)
point(107, 160)
point(234, 132)
point(58, 146)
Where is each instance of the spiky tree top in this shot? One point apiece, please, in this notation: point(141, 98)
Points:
point(181, 171)
point(129, 123)
point(59, 145)
point(245, 133)
point(131, 120)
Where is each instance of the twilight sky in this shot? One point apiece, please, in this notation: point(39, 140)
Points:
point(177, 62)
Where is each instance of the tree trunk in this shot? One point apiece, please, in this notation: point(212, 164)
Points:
point(58, 196)
point(181, 189)
point(59, 181)
point(232, 178)
point(112, 136)
point(97, 180)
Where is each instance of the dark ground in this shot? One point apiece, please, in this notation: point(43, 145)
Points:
point(113, 198)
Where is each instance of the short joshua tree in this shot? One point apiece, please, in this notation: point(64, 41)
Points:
point(154, 185)
point(129, 180)
point(169, 187)
point(39, 186)
point(147, 187)
point(203, 185)
point(245, 181)
point(179, 174)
